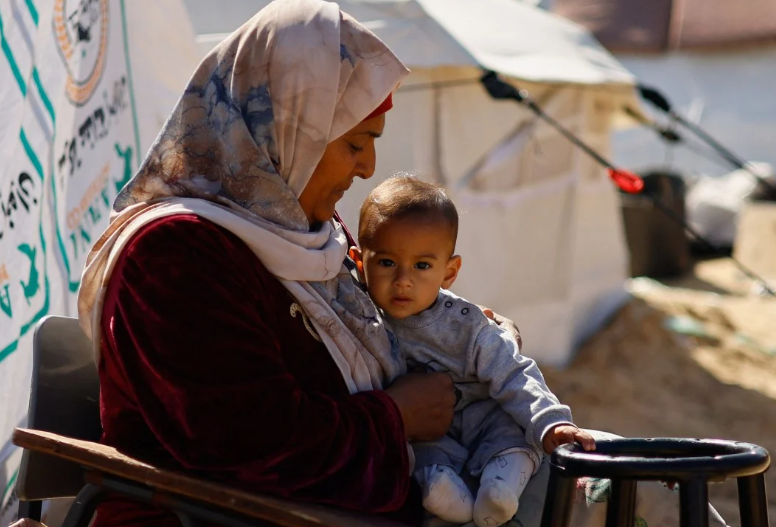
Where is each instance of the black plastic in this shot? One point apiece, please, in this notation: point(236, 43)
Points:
point(655, 97)
point(663, 459)
point(85, 505)
point(498, 88)
point(690, 462)
point(694, 503)
point(30, 509)
point(752, 501)
point(621, 510)
point(64, 399)
point(559, 501)
point(657, 243)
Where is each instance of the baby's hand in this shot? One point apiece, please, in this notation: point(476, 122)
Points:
point(564, 434)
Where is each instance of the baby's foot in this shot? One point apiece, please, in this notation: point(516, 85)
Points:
point(496, 503)
point(447, 496)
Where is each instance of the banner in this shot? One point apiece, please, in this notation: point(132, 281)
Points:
point(75, 127)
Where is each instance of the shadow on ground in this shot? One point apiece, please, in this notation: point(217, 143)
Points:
point(638, 379)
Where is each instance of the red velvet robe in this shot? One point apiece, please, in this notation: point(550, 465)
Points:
point(205, 370)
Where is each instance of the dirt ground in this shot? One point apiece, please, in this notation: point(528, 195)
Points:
point(693, 357)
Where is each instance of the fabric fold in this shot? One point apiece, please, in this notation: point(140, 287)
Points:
point(240, 147)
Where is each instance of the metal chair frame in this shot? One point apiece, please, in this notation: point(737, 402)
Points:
point(64, 402)
point(692, 463)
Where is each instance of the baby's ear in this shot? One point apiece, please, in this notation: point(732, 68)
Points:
point(451, 273)
point(355, 255)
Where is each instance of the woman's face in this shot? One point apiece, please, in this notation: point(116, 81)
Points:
point(345, 158)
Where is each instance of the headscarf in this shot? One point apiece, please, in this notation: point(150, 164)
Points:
point(240, 147)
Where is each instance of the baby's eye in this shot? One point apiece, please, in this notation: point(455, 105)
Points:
point(423, 266)
point(385, 262)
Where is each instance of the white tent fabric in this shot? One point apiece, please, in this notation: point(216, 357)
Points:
point(728, 92)
point(507, 36)
point(541, 235)
point(527, 43)
point(85, 88)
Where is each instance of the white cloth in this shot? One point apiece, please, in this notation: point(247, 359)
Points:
point(240, 147)
point(501, 485)
point(445, 494)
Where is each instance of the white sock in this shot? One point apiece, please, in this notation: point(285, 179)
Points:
point(501, 485)
point(445, 494)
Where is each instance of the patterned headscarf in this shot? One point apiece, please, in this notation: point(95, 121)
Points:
point(240, 147)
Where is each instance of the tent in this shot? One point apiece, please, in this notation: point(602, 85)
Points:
point(85, 88)
point(712, 58)
point(541, 235)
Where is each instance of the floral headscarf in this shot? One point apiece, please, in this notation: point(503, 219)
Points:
point(240, 147)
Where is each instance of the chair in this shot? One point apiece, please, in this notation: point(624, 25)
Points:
point(64, 399)
point(690, 462)
point(62, 458)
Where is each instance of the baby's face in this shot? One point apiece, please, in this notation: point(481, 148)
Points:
point(408, 262)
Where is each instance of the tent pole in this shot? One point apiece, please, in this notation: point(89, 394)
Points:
point(626, 181)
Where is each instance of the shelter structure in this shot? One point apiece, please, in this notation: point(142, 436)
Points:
point(541, 232)
point(712, 58)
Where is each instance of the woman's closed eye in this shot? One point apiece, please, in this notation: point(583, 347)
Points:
point(355, 148)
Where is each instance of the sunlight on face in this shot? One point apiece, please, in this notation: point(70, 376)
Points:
point(406, 264)
point(346, 158)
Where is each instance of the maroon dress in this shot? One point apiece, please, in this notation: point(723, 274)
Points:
point(205, 370)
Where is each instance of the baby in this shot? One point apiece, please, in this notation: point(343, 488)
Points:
point(505, 416)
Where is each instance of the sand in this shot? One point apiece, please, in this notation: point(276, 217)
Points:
point(639, 378)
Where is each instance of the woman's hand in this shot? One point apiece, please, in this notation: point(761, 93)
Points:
point(426, 404)
point(504, 323)
point(565, 434)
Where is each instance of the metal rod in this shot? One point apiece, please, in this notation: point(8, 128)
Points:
point(567, 134)
point(694, 503)
point(730, 157)
point(621, 509)
point(194, 510)
point(686, 226)
point(82, 510)
point(30, 509)
point(752, 501)
point(522, 97)
point(659, 101)
point(707, 244)
point(559, 500)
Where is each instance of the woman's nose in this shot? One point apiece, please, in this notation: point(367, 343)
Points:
point(367, 162)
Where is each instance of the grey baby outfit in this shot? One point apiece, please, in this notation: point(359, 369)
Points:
point(504, 402)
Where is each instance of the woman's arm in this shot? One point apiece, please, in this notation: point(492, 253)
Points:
point(196, 338)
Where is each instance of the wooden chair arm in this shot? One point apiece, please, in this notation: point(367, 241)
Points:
point(108, 460)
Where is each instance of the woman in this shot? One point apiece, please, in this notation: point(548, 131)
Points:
point(231, 341)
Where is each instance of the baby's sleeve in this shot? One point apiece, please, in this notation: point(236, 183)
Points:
point(517, 384)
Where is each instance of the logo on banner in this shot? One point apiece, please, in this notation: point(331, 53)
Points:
point(97, 142)
point(81, 33)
